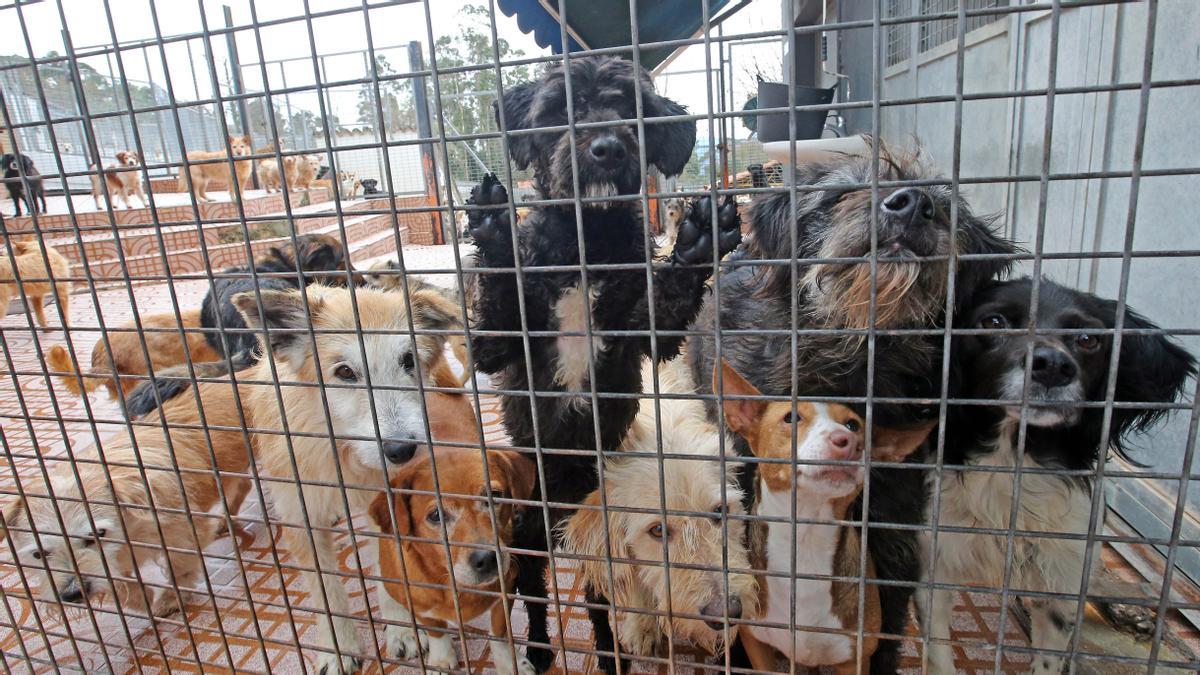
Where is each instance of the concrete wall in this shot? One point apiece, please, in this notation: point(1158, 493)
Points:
point(1091, 132)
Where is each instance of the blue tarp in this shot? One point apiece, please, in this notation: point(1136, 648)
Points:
point(605, 23)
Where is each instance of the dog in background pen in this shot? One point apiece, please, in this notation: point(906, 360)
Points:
point(1067, 368)
point(272, 179)
point(28, 261)
point(833, 219)
point(701, 546)
point(814, 491)
point(30, 188)
point(214, 166)
point(612, 230)
point(119, 180)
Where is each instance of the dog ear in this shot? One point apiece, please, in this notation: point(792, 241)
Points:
point(518, 103)
point(381, 509)
point(1152, 369)
point(895, 445)
point(283, 311)
point(741, 415)
point(321, 254)
point(669, 145)
point(431, 309)
point(12, 512)
point(121, 156)
point(522, 472)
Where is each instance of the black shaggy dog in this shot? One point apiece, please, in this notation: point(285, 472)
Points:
point(1068, 357)
point(833, 219)
point(29, 188)
point(226, 326)
point(613, 232)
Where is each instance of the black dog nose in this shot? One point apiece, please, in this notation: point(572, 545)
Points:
point(399, 452)
point(910, 206)
point(73, 594)
point(1052, 368)
point(483, 562)
point(607, 151)
point(716, 609)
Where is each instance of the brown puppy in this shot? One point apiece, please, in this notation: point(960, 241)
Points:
point(307, 167)
point(123, 183)
point(165, 347)
point(209, 171)
point(468, 526)
point(125, 534)
point(272, 179)
point(815, 492)
point(29, 263)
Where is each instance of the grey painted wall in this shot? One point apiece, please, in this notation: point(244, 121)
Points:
point(1091, 132)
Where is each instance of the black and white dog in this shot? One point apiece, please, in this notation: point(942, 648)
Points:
point(28, 188)
point(607, 158)
point(833, 219)
point(1069, 366)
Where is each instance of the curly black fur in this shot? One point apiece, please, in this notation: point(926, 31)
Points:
point(29, 188)
point(607, 160)
point(833, 220)
point(226, 327)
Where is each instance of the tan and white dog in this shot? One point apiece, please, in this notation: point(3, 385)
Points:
point(826, 615)
point(364, 464)
point(272, 179)
point(214, 166)
point(307, 167)
point(35, 278)
point(116, 528)
point(119, 180)
point(701, 593)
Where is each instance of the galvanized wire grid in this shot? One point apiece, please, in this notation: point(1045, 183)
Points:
point(892, 26)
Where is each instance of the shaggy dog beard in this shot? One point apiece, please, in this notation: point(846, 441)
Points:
point(906, 293)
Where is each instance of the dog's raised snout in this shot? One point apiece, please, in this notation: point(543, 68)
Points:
point(1052, 368)
point(843, 444)
point(607, 151)
point(484, 563)
point(72, 593)
point(716, 609)
point(910, 205)
point(400, 451)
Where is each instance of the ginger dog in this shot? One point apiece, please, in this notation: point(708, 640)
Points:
point(122, 183)
point(28, 262)
point(375, 431)
point(165, 347)
point(203, 174)
point(271, 179)
point(815, 491)
point(307, 167)
point(699, 599)
point(116, 527)
point(475, 567)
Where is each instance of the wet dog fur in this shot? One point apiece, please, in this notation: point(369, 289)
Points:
point(613, 232)
point(834, 219)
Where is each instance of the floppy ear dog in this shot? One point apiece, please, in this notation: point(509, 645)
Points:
point(607, 159)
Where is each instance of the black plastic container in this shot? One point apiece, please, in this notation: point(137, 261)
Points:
point(809, 123)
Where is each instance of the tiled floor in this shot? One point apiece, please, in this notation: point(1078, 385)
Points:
point(245, 624)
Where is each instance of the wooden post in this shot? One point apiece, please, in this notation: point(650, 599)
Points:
point(425, 130)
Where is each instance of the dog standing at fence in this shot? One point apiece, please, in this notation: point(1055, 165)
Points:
point(833, 219)
point(608, 167)
point(820, 495)
point(1068, 366)
point(119, 180)
point(28, 261)
point(30, 188)
point(391, 410)
point(214, 166)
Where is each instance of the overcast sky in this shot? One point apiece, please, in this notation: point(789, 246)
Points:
point(392, 28)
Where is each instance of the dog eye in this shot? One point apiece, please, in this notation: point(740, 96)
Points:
point(1087, 342)
point(434, 517)
point(407, 362)
point(346, 373)
point(994, 322)
point(852, 426)
point(792, 418)
point(657, 531)
point(719, 511)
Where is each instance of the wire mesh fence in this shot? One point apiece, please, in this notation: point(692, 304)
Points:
point(419, 350)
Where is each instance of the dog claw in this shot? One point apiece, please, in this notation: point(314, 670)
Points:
point(330, 665)
point(493, 223)
point(693, 244)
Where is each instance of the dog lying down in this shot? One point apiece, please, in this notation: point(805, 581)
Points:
point(114, 530)
point(700, 599)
